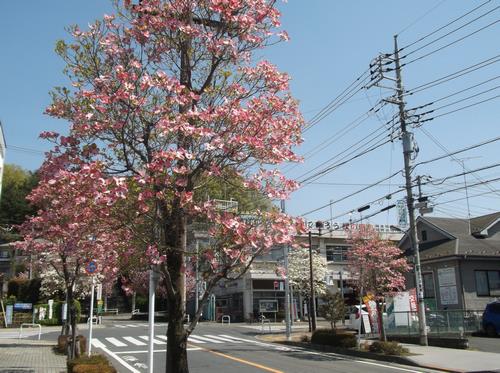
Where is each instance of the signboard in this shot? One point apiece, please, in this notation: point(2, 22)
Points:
point(447, 286)
point(448, 295)
point(100, 304)
point(9, 312)
point(51, 305)
point(268, 306)
point(64, 311)
point(91, 267)
point(23, 306)
point(446, 276)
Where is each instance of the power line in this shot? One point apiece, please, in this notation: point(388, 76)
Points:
point(339, 100)
point(451, 43)
point(454, 75)
point(450, 32)
point(451, 154)
point(443, 27)
point(421, 17)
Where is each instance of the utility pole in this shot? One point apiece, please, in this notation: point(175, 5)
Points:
point(287, 286)
point(407, 152)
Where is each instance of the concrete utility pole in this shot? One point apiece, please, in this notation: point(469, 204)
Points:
point(287, 286)
point(407, 151)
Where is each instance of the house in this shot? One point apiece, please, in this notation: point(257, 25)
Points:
point(460, 260)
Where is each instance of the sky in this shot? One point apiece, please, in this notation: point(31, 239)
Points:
point(332, 44)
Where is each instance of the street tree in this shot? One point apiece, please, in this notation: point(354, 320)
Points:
point(376, 266)
point(14, 207)
point(72, 227)
point(333, 309)
point(169, 94)
point(299, 275)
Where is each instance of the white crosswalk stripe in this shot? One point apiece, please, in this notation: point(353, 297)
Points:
point(221, 338)
point(133, 325)
point(192, 339)
point(97, 343)
point(206, 339)
point(127, 341)
point(155, 341)
point(115, 341)
point(120, 326)
point(134, 341)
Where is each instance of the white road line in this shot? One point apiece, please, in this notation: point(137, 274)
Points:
point(155, 341)
point(134, 341)
point(120, 360)
point(221, 338)
point(146, 351)
point(164, 337)
point(194, 340)
point(116, 342)
point(97, 343)
point(133, 325)
point(120, 326)
point(206, 339)
point(298, 349)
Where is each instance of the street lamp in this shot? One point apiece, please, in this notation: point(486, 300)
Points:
point(312, 307)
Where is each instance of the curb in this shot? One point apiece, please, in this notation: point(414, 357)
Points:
point(366, 355)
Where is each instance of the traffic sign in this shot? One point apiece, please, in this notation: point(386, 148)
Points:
point(91, 267)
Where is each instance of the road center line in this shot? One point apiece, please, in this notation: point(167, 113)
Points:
point(243, 361)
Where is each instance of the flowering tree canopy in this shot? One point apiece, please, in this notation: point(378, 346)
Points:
point(168, 94)
point(374, 264)
point(298, 271)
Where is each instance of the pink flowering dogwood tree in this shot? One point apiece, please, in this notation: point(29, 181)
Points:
point(168, 94)
point(376, 266)
point(72, 227)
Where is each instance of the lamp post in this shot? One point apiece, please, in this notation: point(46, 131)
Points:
point(312, 307)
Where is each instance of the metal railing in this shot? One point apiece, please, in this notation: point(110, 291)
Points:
point(439, 323)
point(32, 325)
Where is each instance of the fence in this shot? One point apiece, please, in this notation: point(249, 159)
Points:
point(439, 323)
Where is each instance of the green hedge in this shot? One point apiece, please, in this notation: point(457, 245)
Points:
point(57, 312)
point(334, 338)
point(388, 348)
point(90, 364)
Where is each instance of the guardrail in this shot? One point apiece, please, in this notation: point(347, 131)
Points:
point(226, 318)
point(30, 325)
point(265, 321)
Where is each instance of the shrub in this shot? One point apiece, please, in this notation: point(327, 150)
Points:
point(333, 338)
point(90, 364)
point(388, 348)
point(305, 338)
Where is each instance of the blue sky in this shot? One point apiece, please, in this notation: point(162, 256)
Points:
point(332, 43)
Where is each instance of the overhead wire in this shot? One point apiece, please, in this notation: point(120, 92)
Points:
point(450, 43)
point(454, 75)
point(443, 27)
point(449, 33)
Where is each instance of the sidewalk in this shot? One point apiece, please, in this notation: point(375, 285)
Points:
point(453, 360)
point(31, 356)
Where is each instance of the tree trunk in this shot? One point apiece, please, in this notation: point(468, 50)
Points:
point(380, 316)
point(133, 301)
point(72, 313)
point(176, 338)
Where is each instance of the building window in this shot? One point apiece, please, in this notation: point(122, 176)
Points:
point(428, 279)
point(4, 254)
point(487, 283)
point(424, 235)
point(336, 253)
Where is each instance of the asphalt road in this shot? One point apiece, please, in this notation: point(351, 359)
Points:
point(223, 349)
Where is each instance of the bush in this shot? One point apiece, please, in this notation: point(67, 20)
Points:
point(305, 338)
point(24, 290)
point(90, 364)
point(388, 348)
point(333, 338)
